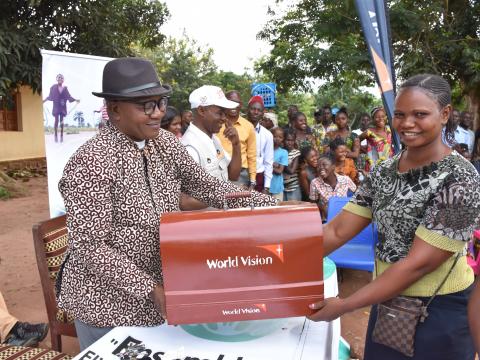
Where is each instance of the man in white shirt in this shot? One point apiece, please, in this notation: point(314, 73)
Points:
point(264, 145)
point(463, 134)
point(209, 105)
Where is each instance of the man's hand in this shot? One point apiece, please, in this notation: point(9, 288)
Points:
point(231, 133)
point(158, 297)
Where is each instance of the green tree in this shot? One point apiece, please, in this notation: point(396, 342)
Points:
point(341, 94)
point(186, 65)
point(323, 39)
point(228, 80)
point(183, 64)
point(95, 27)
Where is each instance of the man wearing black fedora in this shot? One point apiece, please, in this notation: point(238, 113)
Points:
point(115, 188)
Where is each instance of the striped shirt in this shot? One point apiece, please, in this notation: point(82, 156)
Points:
point(290, 181)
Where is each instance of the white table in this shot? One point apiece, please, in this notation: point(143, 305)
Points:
point(298, 339)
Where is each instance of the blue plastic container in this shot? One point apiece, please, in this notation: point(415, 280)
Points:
point(267, 91)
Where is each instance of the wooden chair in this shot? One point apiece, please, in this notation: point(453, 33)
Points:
point(50, 240)
point(11, 352)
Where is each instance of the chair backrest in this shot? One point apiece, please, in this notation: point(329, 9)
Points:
point(50, 239)
point(359, 252)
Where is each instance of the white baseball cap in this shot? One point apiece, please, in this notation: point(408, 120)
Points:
point(210, 95)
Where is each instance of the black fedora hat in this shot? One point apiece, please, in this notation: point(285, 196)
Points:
point(131, 77)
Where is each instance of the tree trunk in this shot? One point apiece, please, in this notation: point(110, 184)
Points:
point(474, 107)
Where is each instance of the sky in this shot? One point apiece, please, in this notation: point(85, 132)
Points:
point(228, 27)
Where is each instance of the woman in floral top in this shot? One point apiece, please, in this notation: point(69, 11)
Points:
point(379, 139)
point(303, 136)
point(343, 132)
point(425, 202)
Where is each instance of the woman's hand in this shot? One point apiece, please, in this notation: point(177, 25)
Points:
point(158, 297)
point(328, 309)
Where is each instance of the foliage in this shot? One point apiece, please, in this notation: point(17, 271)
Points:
point(323, 39)
point(186, 65)
point(341, 94)
point(4, 193)
point(79, 117)
point(9, 187)
point(95, 27)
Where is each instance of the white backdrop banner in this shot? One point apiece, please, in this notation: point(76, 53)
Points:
point(81, 74)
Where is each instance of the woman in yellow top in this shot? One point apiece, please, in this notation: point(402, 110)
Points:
point(425, 202)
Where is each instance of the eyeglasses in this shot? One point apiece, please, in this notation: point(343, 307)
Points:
point(149, 106)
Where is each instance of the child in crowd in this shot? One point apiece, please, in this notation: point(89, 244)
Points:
point(291, 189)
point(343, 131)
point(343, 165)
point(328, 184)
point(462, 149)
point(172, 121)
point(280, 161)
point(308, 169)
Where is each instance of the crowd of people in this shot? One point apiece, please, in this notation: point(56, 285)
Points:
point(295, 156)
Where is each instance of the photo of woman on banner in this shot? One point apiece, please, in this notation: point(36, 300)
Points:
point(116, 187)
point(59, 95)
point(425, 202)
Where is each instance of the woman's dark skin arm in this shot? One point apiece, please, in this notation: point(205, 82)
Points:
point(302, 179)
point(422, 259)
point(355, 153)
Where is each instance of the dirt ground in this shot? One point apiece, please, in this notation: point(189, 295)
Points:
point(20, 282)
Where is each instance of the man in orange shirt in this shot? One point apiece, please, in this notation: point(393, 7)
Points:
point(246, 133)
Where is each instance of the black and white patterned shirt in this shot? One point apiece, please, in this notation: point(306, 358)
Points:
point(439, 203)
point(443, 198)
point(114, 195)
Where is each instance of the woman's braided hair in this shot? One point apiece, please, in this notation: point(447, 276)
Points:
point(438, 89)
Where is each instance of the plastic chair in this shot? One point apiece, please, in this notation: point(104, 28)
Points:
point(359, 252)
point(474, 262)
point(50, 240)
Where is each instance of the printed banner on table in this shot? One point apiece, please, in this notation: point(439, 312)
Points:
point(373, 17)
point(71, 113)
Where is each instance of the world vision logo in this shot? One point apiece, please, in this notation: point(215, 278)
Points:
point(255, 309)
point(248, 261)
point(262, 307)
point(276, 249)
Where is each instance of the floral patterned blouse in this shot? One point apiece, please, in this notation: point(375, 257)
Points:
point(379, 148)
point(349, 140)
point(114, 196)
point(439, 203)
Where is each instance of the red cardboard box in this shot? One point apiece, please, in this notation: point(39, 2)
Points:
point(241, 264)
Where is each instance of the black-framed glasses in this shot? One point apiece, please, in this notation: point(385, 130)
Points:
point(149, 106)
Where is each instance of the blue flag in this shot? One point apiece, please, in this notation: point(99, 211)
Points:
point(376, 30)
